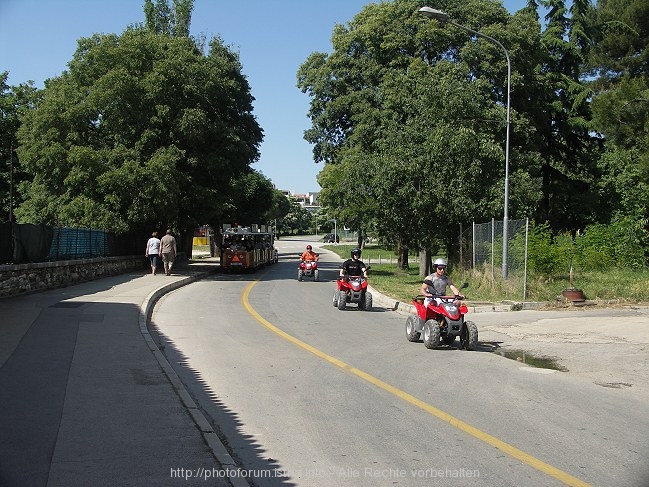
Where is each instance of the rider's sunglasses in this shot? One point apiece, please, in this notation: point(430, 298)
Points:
point(441, 267)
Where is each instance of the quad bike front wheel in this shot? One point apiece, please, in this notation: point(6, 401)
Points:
point(469, 336)
point(336, 297)
point(315, 275)
point(367, 302)
point(299, 274)
point(431, 334)
point(412, 335)
point(342, 300)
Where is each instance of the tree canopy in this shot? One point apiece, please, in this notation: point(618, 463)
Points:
point(14, 102)
point(407, 108)
point(408, 115)
point(142, 129)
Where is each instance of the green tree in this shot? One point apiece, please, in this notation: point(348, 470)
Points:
point(248, 204)
point(408, 117)
point(561, 118)
point(620, 40)
point(280, 206)
point(620, 60)
point(14, 101)
point(143, 130)
point(8, 127)
point(174, 20)
point(297, 220)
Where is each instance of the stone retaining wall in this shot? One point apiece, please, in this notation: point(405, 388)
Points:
point(29, 278)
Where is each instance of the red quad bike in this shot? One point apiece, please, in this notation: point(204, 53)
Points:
point(441, 322)
point(353, 289)
point(307, 269)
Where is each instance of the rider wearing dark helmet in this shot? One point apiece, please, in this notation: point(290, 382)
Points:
point(354, 266)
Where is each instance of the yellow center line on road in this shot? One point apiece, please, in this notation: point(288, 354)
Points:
point(512, 451)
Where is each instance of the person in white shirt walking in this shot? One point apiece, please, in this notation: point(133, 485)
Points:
point(152, 251)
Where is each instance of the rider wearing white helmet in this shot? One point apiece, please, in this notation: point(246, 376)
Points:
point(435, 283)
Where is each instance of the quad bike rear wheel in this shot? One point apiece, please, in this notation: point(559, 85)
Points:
point(431, 334)
point(469, 336)
point(315, 275)
point(412, 335)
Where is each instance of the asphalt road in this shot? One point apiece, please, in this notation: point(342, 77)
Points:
point(304, 394)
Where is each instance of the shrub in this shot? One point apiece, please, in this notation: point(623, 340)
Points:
point(621, 244)
point(547, 254)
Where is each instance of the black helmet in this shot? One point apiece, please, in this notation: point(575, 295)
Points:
point(356, 252)
point(308, 247)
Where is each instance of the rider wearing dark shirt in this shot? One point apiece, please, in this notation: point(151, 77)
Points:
point(353, 266)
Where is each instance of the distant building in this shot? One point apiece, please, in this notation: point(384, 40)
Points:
point(309, 201)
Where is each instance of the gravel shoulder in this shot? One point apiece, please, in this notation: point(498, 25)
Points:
point(608, 346)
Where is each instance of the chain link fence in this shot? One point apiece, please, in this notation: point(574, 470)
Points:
point(28, 243)
point(482, 248)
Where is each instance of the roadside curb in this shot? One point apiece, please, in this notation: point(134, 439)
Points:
point(209, 435)
point(407, 308)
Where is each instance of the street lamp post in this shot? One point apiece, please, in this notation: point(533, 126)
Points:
point(11, 183)
point(432, 13)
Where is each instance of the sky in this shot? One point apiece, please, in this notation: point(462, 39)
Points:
point(273, 38)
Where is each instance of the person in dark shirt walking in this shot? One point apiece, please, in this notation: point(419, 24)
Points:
point(168, 251)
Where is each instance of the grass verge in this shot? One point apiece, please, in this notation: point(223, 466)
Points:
point(612, 285)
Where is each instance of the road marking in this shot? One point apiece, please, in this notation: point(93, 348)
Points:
point(512, 451)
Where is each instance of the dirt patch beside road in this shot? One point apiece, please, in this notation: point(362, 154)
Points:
point(607, 346)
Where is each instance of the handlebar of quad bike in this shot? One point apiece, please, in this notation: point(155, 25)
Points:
point(441, 296)
point(420, 297)
point(346, 276)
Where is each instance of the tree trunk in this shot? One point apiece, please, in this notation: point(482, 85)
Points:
point(425, 264)
point(185, 241)
point(544, 210)
point(402, 251)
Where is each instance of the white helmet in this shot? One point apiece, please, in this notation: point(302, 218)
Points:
point(438, 262)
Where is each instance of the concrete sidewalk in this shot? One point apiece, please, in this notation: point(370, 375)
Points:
point(86, 397)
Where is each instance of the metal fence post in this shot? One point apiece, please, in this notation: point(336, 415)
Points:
point(460, 245)
point(493, 247)
point(527, 234)
point(473, 243)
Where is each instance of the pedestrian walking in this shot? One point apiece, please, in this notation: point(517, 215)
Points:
point(168, 251)
point(152, 251)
